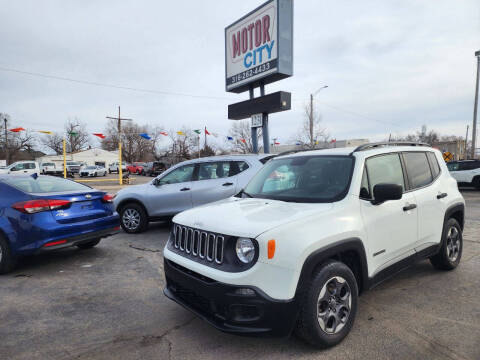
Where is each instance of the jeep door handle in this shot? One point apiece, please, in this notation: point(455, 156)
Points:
point(185, 189)
point(442, 195)
point(409, 207)
point(227, 184)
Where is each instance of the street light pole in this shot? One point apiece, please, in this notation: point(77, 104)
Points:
point(312, 142)
point(475, 107)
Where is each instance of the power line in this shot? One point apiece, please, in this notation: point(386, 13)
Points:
point(86, 82)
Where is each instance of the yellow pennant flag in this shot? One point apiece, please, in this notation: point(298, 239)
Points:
point(181, 133)
point(45, 132)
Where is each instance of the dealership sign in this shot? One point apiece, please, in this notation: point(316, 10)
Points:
point(259, 46)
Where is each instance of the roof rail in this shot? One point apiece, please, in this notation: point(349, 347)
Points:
point(296, 151)
point(388, 143)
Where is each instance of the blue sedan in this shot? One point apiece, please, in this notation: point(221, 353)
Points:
point(45, 213)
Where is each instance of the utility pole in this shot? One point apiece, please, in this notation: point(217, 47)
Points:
point(6, 138)
point(475, 107)
point(466, 142)
point(119, 125)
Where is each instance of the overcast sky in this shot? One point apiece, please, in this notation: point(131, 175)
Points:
point(391, 66)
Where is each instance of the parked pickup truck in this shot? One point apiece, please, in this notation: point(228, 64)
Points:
point(51, 168)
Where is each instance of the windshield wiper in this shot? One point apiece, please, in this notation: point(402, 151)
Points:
point(243, 192)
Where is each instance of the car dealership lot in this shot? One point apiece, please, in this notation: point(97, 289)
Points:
point(107, 303)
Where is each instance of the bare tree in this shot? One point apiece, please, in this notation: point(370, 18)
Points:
point(53, 142)
point(16, 141)
point(134, 147)
point(241, 133)
point(311, 133)
point(78, 137)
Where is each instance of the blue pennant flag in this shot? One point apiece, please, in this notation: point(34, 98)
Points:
point(298, 144)
point(145, 136)
point(229, 138)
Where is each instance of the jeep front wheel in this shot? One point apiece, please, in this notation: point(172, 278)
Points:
point(450, 251)
point(329, 306)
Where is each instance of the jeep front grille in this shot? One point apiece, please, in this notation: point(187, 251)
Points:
point(205, 245)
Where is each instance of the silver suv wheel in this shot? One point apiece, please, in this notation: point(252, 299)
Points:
point(131, 219)
point(334, 304)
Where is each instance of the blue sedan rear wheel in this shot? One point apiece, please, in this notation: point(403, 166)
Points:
point(7, 260)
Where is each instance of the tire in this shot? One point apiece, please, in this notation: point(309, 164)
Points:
point(89, 245)
point(450, 252)
point(105, 173)
point(476, 182)
point(133, 218)
point(339, 305)
point(7, 259)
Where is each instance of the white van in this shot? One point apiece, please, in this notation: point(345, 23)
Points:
point(22, 168)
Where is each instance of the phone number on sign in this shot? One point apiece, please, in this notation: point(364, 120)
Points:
point(249, 73)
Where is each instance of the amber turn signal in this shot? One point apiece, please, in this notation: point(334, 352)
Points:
point(271, 248)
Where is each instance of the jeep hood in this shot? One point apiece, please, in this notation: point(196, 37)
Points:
point(247, 217)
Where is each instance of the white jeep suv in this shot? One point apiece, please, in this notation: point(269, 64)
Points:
point(309, 233)
point(466, 172)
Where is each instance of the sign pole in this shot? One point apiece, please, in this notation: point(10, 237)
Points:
point(254, 129)
point(266, 138)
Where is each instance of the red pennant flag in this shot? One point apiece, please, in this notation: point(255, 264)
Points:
point(17, 129)
point(206, 131)
point(101, 136)
point(163, 133)
point(243, 140)
point(333, 141)
point(276, 143)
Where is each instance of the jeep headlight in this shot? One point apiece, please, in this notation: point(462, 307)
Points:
point(245, 250)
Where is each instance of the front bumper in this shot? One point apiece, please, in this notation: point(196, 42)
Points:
point(219, 305)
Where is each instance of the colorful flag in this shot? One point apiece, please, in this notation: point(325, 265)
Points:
point(145, 136)
point(197, 131)
point(243, 140)
point(276, 143)
point(45, 132)
point(229, 138)
point(73, 133)
point(298, 143)
point(333, 141)
point(181, 133)
point(163, 133)
point(206, 131)
point(101, 136)
point(17, 129)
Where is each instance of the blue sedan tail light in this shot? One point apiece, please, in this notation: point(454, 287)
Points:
point(35, 206)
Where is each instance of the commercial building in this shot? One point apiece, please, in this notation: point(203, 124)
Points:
point(90, 157)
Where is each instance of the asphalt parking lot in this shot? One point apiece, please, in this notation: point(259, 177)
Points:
point(107, 303)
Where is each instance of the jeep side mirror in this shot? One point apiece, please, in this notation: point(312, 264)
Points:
point(385, 192)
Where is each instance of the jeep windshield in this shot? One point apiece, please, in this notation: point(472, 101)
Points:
point(303, 179)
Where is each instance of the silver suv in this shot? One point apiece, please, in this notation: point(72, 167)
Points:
point(185, 185)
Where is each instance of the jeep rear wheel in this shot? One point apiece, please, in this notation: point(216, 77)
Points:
point(450, 252)
point(329, 306)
